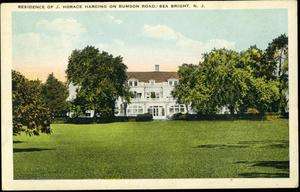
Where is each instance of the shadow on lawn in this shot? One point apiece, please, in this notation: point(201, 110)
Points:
point(268, 143)
point(281, 144)
point(264, 175)
point(221, 146)
point(18, 150)
point(263, 141)
point(18, 141)
point(281, 165)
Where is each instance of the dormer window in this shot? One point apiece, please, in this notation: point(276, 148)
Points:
point(173, 82)
point(133, 83)
point(152, 82)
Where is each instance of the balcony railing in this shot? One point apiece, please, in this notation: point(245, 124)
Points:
point(152, 99)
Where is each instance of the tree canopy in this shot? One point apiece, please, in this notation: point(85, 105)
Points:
point(252, 78)
point(277, 55)
point(100, 79)
point(55, 94)
point(30, 114)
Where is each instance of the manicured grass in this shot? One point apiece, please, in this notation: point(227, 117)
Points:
point(158, 149)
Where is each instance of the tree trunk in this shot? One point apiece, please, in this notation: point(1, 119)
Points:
point(280, 109)
point(125, 108)
point(187, 108)
point(231, 109)
point(280, 63)
point(243, 109)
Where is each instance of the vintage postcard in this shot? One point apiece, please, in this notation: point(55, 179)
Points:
point(149, 95)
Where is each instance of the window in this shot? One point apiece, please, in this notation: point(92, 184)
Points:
point(152, 82)
point(177, 109)
point(140, 110)
point(181, 108)
point(147, 95)
point(117, 110)
point(173, 82)
point(133, 94)
point(156, 95)
point(171, 110)
point(136, 95)
point(153, 95)
point(139, 95)
point(134, 109)
point(133, 83)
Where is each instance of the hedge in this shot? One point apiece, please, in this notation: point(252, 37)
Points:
point(80, 120)
point(89, 120)
point(191, 117)
point(144, 117)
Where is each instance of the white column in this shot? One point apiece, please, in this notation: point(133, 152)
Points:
point(166, 109)
point(145, 108)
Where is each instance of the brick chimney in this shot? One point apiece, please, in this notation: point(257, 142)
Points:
point(156, 68)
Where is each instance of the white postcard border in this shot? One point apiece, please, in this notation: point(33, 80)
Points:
point(6, 108)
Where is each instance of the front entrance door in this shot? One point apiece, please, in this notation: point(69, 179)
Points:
point(157, 112)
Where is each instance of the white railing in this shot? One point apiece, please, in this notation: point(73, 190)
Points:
point(152, 99)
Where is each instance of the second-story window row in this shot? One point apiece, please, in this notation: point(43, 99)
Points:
point(173, 82)
point(152, 95)
point(136, 95)
point(133, 83)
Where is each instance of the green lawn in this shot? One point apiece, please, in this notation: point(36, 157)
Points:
point(158, 149)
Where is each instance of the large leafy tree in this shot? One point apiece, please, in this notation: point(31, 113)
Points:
point(79, 105)
point(202, 96)
point(30, 114)
point(55, 94)
point(227, 78)
point(262, 82)
point(187, 81)
point(100, 78)
point(262, 93)
point(214, 83)
point(277, 55)
point(193, 89)
point(255, 60)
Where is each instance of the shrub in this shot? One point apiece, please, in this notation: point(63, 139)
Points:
point(58, 120)
point(104, 119)
point(191, 117)
point(252, 111)
point(121, 118)
point(80, 120)
point(89, 120)
point(177, 116)
point(285, 115)
point(144, 117)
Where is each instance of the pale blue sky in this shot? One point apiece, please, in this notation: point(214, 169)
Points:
point(42, 41)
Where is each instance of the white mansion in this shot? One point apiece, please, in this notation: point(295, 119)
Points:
point(152, 94)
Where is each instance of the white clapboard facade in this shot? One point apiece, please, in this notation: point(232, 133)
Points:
point(152, 94)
